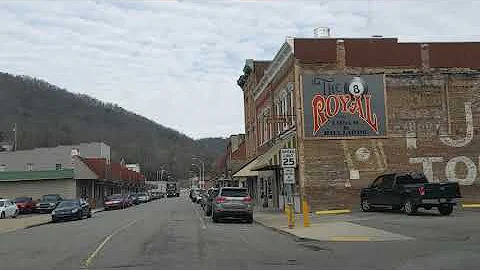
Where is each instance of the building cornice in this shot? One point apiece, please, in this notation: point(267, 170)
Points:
point(278, 61)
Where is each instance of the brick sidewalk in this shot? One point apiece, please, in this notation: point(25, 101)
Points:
point(13, 224)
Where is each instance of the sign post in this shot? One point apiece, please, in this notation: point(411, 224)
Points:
point(288, 163)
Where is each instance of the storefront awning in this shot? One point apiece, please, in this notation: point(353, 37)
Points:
point(270, 160)
point(246, 170)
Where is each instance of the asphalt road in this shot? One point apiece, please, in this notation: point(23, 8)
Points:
point(173, 234)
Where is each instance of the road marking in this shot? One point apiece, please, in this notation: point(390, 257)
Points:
point(352, 238)
point(326, 212)
point(204, 226)
point(97, 250)
point(471, 205)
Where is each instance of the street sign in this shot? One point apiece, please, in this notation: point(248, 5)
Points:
point(288, 175)
point(288, 158)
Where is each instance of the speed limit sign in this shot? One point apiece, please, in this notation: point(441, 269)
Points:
point(288, 158)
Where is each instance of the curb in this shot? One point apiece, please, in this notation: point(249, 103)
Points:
point(334, 212)
point(286, 233)
point(471, 205)
point(35, 225)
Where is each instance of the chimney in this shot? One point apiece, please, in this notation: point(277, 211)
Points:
point(321, 32)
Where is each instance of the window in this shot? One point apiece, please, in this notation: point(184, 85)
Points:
point(387, 181)
point(58, 166)
point(3, 167)
point(377, 182)
point(29, 166)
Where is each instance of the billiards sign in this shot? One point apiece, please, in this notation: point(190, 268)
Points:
point(344, 106)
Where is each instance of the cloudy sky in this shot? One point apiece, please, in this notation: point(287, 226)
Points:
point(176, 62)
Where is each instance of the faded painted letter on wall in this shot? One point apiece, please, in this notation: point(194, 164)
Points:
point(344, 106)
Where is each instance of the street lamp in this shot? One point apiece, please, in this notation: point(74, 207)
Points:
point(203, 166)
point(200, 169)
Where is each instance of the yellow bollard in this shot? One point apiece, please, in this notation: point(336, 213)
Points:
point(306, 214)
point(291, 219)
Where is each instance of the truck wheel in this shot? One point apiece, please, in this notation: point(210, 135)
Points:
point(365, 205)
point(445, 210)
point(409, 207)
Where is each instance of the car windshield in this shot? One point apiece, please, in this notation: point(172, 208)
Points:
point(2, 203)
point(234, 192)
point(68, 204)
point(22, 200)
point(49, 198)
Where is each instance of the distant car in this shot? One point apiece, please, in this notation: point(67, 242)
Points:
point(143, 197)
point(71, 209)
point(232, 203)
point(134, 197)
point(212, 193)
point(47, 203)
point(199, 195)
point(25, 204)
point(115, 201)
point(8, 209)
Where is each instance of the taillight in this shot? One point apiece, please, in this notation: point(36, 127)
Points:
point(421, 190)
point(247, 199)
point(220, 199)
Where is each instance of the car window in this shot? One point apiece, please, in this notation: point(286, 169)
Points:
point(237, 192)
point(387, 181)
point(2, 204)
point(407, 180)
point(378, 181)
point(22, 200)
point(68, 204)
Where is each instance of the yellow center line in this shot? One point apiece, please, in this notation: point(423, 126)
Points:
point(105, 241)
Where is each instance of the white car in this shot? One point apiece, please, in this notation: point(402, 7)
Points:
point(8, 209)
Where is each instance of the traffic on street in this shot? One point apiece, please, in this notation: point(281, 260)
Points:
point(175, 233)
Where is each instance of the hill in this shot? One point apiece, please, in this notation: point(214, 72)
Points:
point(48, 116)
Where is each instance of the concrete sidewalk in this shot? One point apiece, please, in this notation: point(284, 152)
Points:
point(331, 228)
point(21, 222)
point(28, 221)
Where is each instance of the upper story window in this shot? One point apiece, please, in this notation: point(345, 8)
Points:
point(3, 167)
point(29, 166)
point(58, 166)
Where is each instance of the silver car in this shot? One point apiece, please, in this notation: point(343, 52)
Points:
point(232, 203)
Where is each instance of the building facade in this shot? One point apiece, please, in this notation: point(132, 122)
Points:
point(357, 108)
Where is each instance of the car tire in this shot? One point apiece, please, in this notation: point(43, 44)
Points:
point(15, 215)
point(250, 220)
point(80, 216)
point(445, 210)
point(89, 214)
point(365, 205)
point(2, 215)
point(410, 208)
point(215, 218)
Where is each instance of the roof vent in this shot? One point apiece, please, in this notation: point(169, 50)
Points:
point(321, 32)
point(377, 36)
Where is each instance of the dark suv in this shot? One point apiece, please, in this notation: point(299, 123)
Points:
point(232, 203)
point(47, 203)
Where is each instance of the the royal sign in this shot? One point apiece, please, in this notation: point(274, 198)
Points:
point(344, 106)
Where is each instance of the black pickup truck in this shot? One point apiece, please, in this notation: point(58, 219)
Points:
point(409, 191)
point(47, 203)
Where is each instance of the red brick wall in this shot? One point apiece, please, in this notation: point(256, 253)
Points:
point(424, 107)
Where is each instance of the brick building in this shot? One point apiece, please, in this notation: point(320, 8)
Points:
point(357, 108)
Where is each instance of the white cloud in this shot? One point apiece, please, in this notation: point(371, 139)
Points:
point(177, 62)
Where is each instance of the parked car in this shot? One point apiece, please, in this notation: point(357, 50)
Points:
point(232, 203)
point(156, 195)
point(143, 197)
point(115, 201)
point(71, 209)
point(25, 204)
point(193, 194)
point(134, 197)
point(200, 194)
point(8, 209)
point(129, 199)
point(212, 193)
point(47, 203)
point(409, 191)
